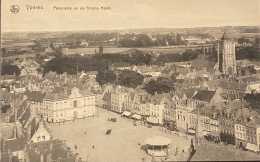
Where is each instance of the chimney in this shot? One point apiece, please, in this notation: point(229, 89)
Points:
point(51, 146)
point(25, 97)
point(42, 158)
point(4, 143)
point(15, 131)
point(250, 118)
point(59, 159)
point(10, 155)
point(29, 132)
point(49, 159)
point(36, 150)
point(64, 144)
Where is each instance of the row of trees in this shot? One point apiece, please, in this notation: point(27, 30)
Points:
point(142, 40)
point(187, 55)
point(126, 78)
point(8, 69)
point(161, 85)
point(250, 53)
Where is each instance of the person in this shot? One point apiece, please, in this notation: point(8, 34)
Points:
point(93, 146)
point(76, 147)
point(85, 132)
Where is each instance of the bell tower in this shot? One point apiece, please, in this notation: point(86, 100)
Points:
point(226, 55)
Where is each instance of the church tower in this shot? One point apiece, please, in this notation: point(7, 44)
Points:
point(226, 55)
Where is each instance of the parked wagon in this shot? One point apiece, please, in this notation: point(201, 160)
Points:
point(108, 132)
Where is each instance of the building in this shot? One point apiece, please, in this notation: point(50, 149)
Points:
point(59, 107)
point(118, 96)
point(227, 88)
point(253, 134)
point(106, 101)
point(226, 55)
point(253, 87)
point(206, 98)
point(36, 101)
point(120, 66)
point(41, 134)
point(245, 117)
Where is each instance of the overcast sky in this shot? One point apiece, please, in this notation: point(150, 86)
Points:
point(126, 14)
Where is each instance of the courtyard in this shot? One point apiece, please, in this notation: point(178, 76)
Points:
point(121, 145)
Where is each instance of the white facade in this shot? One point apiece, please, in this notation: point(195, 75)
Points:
point(240, 132)
point(253, 87)
point(68, 108)
point(41, 135)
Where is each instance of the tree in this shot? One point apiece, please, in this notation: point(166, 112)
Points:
point(39, 70)
point(162, 85)
point(8, 69)
point(57, 50)
point(107, 77)
point(130, 78)
point(189, 54)
point(3, 51)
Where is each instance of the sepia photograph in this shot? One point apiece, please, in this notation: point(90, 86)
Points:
point(130, 80)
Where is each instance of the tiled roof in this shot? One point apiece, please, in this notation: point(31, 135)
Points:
point(44, 145)
point(204, 95)
point(57, 89)
point(34, 126)
point(4, 157)
point(35, 96)
point(189, 92)
point(120, 64)
point(68, 159)
point(213, 152)
point(166, 70)
point(15, 144)
point(56, 153)
point(202, 64)
point(20, 111)
point(225, 84)
point(92, 72)
point(106, 96)
point(132, 95)
point(26, 115)
point(7, 130)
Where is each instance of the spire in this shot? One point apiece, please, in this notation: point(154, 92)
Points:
point(225, 36)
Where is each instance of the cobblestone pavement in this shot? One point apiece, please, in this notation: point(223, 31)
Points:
point(120, 145)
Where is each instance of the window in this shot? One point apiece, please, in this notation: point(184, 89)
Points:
point(75, 104)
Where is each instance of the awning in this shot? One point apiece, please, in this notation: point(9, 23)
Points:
point(250, 146)
point(158, 141)
point(215, 134)
point(126, 113)
point(136, 116)
point(192, 131)
point(152, 119)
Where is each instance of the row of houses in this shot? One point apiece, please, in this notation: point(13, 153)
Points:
point(219, 117)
